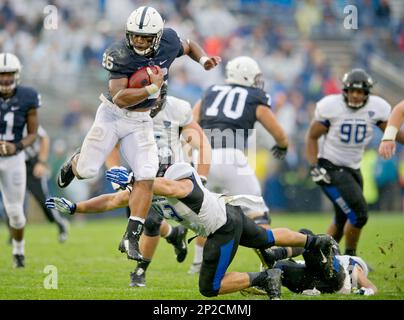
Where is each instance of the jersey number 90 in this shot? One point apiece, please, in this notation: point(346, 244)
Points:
point(351, 133)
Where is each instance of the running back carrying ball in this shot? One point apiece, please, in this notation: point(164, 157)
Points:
point(140, 78)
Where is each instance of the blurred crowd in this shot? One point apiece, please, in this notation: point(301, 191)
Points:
point(280, 34)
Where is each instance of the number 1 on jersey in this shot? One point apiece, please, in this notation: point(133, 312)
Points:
point(8, 135)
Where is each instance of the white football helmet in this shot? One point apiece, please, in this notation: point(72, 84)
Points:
point(145, 21)
point(9, 63)
point(244, 71)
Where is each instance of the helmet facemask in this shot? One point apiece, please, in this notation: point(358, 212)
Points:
point(357, 80)
point(144, 22)
point(149, 50)
point(8, 82)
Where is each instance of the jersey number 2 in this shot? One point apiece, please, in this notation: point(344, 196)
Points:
point(233, 104)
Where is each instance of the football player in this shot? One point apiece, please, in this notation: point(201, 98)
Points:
point(172, 119)
point(36, 157)
point(123, 114)
point(228, 114)
point(302, 276)
point(387, 146)
point(19, 106)
point(346, 122)
point(218, 218)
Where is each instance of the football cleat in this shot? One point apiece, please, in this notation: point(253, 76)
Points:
point(133, 250)
point(138, 278)
point(324, 245)
point(195, 268)
point(66, 174)
point(122, 247)
point(19, 261)
point(273, 284)
point(267, 257)
point(180, 243)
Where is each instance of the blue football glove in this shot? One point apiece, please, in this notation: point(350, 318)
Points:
point(61, 204)
point(121, 176)
point(116, 186)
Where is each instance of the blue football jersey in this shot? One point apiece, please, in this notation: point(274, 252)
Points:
point(122, 62)
point(230, 110)
point(14, 110)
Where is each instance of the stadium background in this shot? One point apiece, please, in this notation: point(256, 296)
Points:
point(302, 47)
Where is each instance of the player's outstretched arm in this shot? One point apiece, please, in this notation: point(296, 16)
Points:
point(366, 286)
point(102, 203)
point(194, 50)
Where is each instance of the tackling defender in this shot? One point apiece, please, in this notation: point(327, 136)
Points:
point(346, 122)
point(217, 217)
point(123, 114)
point(19, 106)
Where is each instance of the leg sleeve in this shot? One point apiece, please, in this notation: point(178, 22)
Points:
point(346, 194)
point(218, 252)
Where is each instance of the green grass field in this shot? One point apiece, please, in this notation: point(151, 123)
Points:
point(90, 267)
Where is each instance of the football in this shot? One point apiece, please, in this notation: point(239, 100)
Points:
point(140, 78)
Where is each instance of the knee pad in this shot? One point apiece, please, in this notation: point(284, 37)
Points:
point(360, 220)
point(16, 216)
point(152, 224)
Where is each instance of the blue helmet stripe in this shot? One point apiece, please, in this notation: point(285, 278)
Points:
point(142, 17)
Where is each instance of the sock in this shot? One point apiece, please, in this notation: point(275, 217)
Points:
point(172, 235)
point(280, 253)
point(135, 227)
point(256, 278)
point(170, 229)
point(310, 242)
point(18, 246)
point(198, 254)
point(297, 251)
point(350, 252)
point(144, 264)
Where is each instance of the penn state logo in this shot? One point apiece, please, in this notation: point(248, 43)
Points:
point(167, 124)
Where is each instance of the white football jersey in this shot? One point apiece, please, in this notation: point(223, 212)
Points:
point(211, 214)
point(351, 281)
point(176, 114)
point(350, 130)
